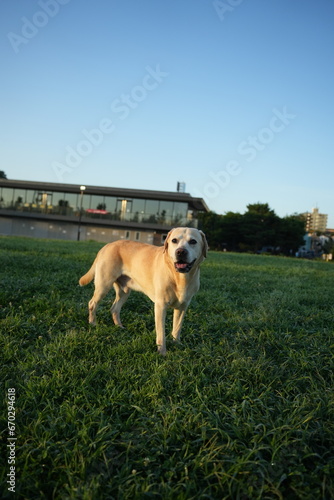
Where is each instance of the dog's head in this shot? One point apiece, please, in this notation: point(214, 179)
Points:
point(186, 247)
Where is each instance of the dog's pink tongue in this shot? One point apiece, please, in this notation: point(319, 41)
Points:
point(181, 265)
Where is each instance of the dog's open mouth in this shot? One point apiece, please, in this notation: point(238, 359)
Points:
point(183, 267)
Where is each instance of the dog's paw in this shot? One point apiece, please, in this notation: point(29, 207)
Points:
point(162, 350)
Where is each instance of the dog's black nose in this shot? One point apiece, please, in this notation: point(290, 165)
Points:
point(181, 253)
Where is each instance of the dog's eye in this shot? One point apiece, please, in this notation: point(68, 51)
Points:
point(174, 240)
point(192, 242)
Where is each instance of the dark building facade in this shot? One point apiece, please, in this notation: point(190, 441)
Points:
point(69, 211)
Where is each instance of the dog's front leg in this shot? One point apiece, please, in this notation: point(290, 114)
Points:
point(178, 318)
point(160, 318)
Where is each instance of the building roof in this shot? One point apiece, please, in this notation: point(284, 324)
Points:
point(193, 203)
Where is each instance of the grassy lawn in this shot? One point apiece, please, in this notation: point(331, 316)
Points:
point(242, 409)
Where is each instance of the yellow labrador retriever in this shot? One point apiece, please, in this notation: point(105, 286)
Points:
point(168, 275)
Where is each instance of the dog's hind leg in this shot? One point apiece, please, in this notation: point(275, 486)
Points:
point(122, 294)
point(103, 284)
point(92, 305)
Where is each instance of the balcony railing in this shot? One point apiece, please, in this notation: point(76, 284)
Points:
point(176, 219)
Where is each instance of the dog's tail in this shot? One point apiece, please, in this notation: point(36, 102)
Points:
point(89, 276)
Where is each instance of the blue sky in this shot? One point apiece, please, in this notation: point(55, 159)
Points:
point(232, 97)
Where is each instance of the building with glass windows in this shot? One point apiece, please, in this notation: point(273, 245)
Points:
point(68, 211)
point(315, 222)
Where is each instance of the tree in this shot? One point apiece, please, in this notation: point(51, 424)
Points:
point(3, 175)
point(262, 209)
point(291, 234)
point(211, 224)
point(231, 231)
point(257, 229)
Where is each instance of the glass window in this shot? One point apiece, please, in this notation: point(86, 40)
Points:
point(138, 210)
point(43, 199)
point(61, 203)
point(29, 196)
point(118, 208)
point(151, 211)
point(97, 202)
point(180, 209)
point(84, 200)
point(124, 208)
point(138, 206)
point(7, 197)
point(165, 212)
point(152, 207)
point(57, 199)
point(19, 198)
point(34, 199)
point(167, 207)
point(180, 213)
point(110, 202)
point(73, 200)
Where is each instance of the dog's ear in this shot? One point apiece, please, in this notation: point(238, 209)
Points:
point(166, 241)
point(205, 244)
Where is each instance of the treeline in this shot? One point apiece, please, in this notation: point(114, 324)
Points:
point(259, 229)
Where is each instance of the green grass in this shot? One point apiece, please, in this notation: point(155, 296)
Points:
point(242, 409)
